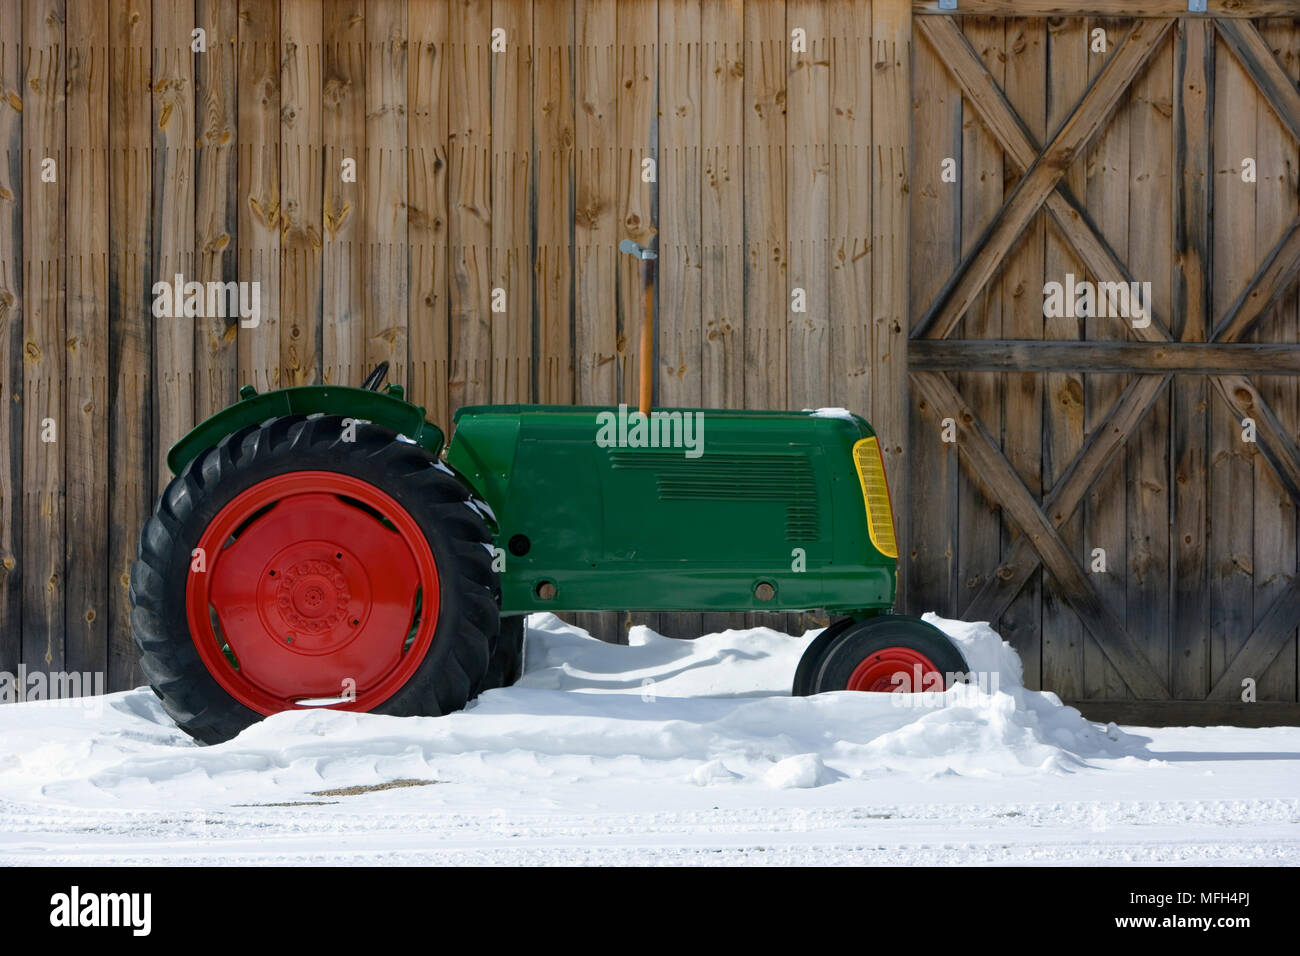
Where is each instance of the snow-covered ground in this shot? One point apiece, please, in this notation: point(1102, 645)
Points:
point(661, 752)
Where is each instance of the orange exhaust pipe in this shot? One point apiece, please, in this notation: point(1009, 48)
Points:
point(647, 257)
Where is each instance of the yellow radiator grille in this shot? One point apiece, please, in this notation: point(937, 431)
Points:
point(875, 493)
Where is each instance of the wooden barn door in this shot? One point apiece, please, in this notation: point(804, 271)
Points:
point(1116, 494)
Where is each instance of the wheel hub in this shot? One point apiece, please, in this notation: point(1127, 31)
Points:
point(310, 596)
point(313, 582)
point(896, 670)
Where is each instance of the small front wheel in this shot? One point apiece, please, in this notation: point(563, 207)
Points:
point(891, 653)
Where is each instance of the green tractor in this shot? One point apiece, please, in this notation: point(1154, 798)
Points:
point(323, 546)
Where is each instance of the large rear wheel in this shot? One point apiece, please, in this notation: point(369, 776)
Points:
point(310, 562)
point(506, 662)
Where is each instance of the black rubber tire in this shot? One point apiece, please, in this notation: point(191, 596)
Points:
point(804, 672)
point(829, 667)
point(506, 663)
point(437, 501)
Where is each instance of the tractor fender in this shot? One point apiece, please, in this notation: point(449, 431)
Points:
point(387, 408)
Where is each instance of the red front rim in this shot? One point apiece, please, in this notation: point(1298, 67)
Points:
point(314, 589)
point(897, 670)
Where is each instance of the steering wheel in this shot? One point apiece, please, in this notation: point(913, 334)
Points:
point(376, 377)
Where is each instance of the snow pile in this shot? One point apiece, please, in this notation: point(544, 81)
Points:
point(802, 772)
point(843, 413)
point(993, 726)
point(712, 712)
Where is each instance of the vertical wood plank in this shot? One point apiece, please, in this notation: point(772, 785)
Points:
point(216, 191)
point(387, 319)
point(596, 229)
point(637, 141)
point(677, 321)
point(130, 277)
point(767, 295)
point(301, 195)
point(678, 300)
point(86, 610)
point(1190, 318)
point(807, 133)
point(1104, 516)
point(637, 131)
point(891, 101)
point(1293, 308)
point(849, 255)
point(1022, 318)
point(1232, 460)
point(929, 564)
point(512, 169)
point(259, 187)
point(722, 237)
point(469, 179)
point(767, 289)
point(1063, 416)
point(978, 510)
point(11, 334)
point(343, 131)
point(722, 212)
point(1149, 258)
point(44, 209)
point(553, 132)
point(426, 217)
point(1277, 160)
point(173, 220)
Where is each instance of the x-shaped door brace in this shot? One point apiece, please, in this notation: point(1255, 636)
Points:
point(1042, 183)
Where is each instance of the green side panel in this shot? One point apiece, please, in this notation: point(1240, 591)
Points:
point(772, 497)
point(386, 408)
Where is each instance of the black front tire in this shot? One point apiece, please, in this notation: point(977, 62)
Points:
point(803, 675)
point(828, 665)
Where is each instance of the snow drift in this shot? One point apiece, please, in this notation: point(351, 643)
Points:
point(715, 712)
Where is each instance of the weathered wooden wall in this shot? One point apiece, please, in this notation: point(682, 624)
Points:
point(1078, 436)
point(777, 168)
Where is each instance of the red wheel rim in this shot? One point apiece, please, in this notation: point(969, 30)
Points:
point(318, 590)
point(897, 670)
